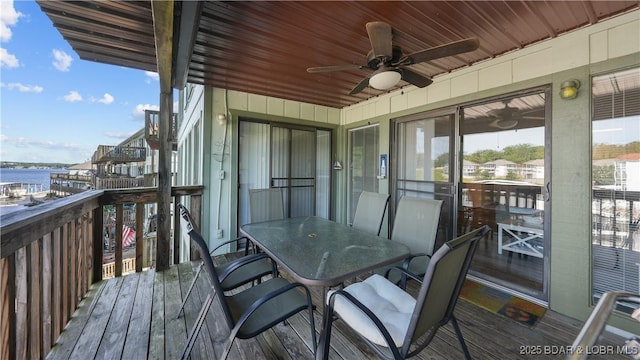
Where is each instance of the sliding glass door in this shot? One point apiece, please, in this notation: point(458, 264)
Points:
point(504, 184)
point(294, 159)
point(489, 163)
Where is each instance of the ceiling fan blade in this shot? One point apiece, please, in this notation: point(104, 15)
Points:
point(319, 69)
point(361, 85)
point(380, 36)
point(414, 78)
point(453, 48)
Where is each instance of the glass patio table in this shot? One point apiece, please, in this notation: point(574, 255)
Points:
point(321, 252)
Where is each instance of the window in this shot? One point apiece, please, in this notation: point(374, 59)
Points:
point(616, 182)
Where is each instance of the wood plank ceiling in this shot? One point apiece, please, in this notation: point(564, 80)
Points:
point(265, 47)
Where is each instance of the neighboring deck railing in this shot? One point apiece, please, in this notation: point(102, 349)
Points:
point(52, 252)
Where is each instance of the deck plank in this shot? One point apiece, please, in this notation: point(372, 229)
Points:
point(175, 328)
point(112, 343)
point(91, 336)
point(137, 342)
point(202, 347)
point(153, 298)
point(68, 338)
point(156, 331)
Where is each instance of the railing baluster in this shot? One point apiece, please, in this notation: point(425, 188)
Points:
point(22, 330)
point(47, 277)
point(119, 221)
point(7, 307)
point(139, 237)
point(34, 298)
point(56, 296)
point(64, 247)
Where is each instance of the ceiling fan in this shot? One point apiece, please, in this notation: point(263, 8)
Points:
point(390, 65)
point(508, 117)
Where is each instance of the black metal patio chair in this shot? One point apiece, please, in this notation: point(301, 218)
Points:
point(393, 323)
point(233, 276)
point(251, 311)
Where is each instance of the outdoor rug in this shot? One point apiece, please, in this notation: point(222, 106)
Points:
point(499, 302)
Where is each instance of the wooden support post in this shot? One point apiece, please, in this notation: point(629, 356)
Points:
point(163, 33)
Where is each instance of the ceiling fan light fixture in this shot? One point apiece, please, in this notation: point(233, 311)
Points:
point(385, 80)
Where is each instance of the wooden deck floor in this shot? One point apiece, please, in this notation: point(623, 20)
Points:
point(134, 317)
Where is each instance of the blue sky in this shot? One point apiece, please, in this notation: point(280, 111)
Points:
point(55, 107)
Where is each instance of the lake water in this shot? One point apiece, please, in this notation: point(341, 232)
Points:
point(31, 176)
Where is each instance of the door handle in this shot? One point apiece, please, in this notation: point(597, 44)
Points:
point(547, 194)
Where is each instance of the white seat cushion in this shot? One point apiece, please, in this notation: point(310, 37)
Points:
point(387, 301)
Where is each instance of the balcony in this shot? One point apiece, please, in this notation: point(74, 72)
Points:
point(118, 154)
point(118, 182)
point(151, 128)
point(53, 291)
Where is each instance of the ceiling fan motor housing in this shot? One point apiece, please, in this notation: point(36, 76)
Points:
point(374, 63)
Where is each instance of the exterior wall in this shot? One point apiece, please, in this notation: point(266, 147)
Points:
point(219, 145)
point(604, 47)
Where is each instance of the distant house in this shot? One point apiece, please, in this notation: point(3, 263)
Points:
point(469, 168)
point(627, 172)
point(499, 168)
point(78, 179)
point(533, 170)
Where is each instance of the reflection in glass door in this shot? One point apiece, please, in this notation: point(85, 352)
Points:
point(504, 184)
point(423, 164)
point(363, 164)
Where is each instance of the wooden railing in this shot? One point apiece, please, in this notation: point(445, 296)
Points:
point(51, 253)
point(118, 154)
point(118, 182)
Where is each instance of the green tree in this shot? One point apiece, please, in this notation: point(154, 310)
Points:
point(511, 175)
point(483, 156)
point(522, 153)
point(441, 160)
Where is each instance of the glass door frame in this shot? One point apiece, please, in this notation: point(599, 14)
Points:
point(542, 296)
point(350, 203)
point(451, 111)
point(455, 173)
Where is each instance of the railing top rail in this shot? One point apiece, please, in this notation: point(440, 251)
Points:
point(616, 194)
point(19, 228)
point(144, 194)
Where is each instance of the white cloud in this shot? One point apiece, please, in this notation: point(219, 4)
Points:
point(73, 96)
point(8, 60)
point(106, 99)
point(8, 17)
point(61, 60)
point(152, 75)
point(22, 88)
point(138, 112)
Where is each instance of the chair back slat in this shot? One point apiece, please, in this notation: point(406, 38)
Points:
point(203, 249)
point(416, 223)
point(441, 285)
point(370, 212)
point(265, 205)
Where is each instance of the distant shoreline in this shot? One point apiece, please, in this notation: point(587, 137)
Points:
point(33, 165)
